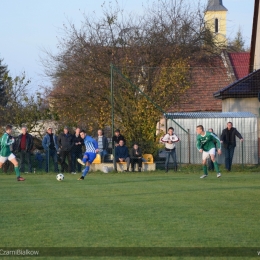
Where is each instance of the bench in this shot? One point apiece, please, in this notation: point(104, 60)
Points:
point(147, 165)
point(121, 167)
point(97, 159)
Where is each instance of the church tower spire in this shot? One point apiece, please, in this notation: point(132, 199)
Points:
point(216, 5)
point(216, 21)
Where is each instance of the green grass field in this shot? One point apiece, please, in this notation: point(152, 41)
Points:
point(131, 210)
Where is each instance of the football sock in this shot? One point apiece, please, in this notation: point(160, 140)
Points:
point(17, 172)
point(205, 169)
point(216, 166)
point(85, 172)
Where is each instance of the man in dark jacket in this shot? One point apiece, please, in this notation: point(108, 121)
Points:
point(24, 146)
point(76, 151)
point(121, 154)
point(117, 137)
point(228, 138)
point(65, 142)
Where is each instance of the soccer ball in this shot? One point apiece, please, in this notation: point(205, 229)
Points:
point(60, 177)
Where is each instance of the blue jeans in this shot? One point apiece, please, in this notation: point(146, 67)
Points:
point(171, 153)
point(229, 152)
point(102, 155)
point(51, 154)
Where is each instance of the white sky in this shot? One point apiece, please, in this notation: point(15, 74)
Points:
point(28, 26)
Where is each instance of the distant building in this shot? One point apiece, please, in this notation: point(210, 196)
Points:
point(216, 21)
point(244, 94)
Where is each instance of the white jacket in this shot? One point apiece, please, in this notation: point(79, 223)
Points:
point(170, 140)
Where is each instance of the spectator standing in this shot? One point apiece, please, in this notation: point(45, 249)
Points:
point(117, 137)
point(39, 159)
point(136, 157)
point(122, 155)
point(76, 151)
point(50, 146)
point(228, 138)
point(169, 140)
point(102, 144)
point(24, 145)
point(65, 141)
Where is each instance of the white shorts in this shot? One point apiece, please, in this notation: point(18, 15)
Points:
point(205, 154)
point(9, 158)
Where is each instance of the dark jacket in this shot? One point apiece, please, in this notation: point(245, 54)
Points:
point(29, 143)
point(121, 152)
point(104, 142)
point(116, 139)
point(229, 139)
point(133, 153)
point(65, 142)
point(77, 139)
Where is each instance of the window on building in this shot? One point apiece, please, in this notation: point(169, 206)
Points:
point(216, 25)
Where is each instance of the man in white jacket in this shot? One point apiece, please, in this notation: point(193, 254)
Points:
point(169, 140)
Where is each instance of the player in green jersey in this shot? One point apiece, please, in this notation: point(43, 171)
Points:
point(206, 145)
point(6, 154)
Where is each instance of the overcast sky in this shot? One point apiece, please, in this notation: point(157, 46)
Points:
point(28, 26)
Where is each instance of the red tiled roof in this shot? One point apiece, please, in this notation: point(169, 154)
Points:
point(207, 78)
point(240, 63)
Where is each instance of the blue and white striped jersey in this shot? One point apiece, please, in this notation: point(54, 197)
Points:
point(91, 144)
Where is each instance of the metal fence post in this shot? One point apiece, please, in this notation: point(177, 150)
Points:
point(243, 154)
point(112, 113)
point(189, 146)
point(48, 159)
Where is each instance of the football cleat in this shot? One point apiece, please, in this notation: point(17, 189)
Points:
point(80, 162)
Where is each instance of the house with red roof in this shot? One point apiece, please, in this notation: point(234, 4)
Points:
point(244, 94)
point(209, 76)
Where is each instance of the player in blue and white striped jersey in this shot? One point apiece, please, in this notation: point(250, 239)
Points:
point(90, 154)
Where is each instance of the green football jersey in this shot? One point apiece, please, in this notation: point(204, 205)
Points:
point(5, 145)
point(207, 141)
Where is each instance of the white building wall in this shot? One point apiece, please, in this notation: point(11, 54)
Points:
point(246, 152)
point(243, 104)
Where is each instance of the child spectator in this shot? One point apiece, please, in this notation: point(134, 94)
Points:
point(39, 159)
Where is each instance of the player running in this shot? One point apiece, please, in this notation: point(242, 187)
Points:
point(206, 145)
point(90, 154)
point(6, 154)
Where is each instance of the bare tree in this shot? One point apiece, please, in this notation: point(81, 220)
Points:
point(169, 34)
point(21, 107)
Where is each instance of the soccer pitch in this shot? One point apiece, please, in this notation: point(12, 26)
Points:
point(131, 210)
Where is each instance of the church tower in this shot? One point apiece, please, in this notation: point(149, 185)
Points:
point(216, 21)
